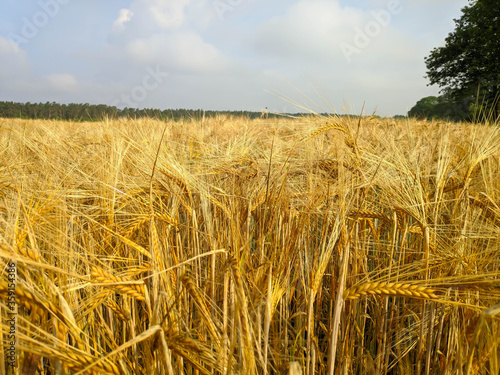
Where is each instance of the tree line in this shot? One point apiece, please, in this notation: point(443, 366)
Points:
point(98, 112)
point(92, 112)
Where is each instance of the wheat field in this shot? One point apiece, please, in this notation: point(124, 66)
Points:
point(232, 246)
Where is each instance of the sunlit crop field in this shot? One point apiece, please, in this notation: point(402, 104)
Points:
point(235, 246)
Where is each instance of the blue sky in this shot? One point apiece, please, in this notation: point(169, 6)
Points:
point(223, 54)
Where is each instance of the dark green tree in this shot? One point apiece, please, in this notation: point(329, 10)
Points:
point(432, 107)
point(425, 107)
point(469, 62)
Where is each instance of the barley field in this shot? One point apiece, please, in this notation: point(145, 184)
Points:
point(232, 246)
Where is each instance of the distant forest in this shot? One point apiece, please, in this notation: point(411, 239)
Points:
point(91, 112)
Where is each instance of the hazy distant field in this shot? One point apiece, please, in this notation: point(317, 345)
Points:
point(232, 246)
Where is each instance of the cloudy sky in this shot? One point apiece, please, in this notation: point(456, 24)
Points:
point(329, 55)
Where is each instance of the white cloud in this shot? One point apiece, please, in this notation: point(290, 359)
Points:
point(64, 82)
point(167, 14)
point(147, 17)
point(13, 60)
point(308, 37)
point(124, 16)
point(308, 30)
point(9, 46)
point(18, 77)
point(182, 52)
point(326, 33)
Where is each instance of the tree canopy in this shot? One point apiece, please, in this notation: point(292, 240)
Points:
point(469, 62)
point(432, 107)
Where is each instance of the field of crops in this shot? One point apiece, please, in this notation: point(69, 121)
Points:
point(228, 246)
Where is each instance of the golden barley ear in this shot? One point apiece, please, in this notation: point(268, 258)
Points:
point(194, 291)
point(327, 127)
point(81, 361)
point(133, 289)
point(389, 289)
point(367, 214)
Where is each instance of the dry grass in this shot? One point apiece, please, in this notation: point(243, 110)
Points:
point(252, 247)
